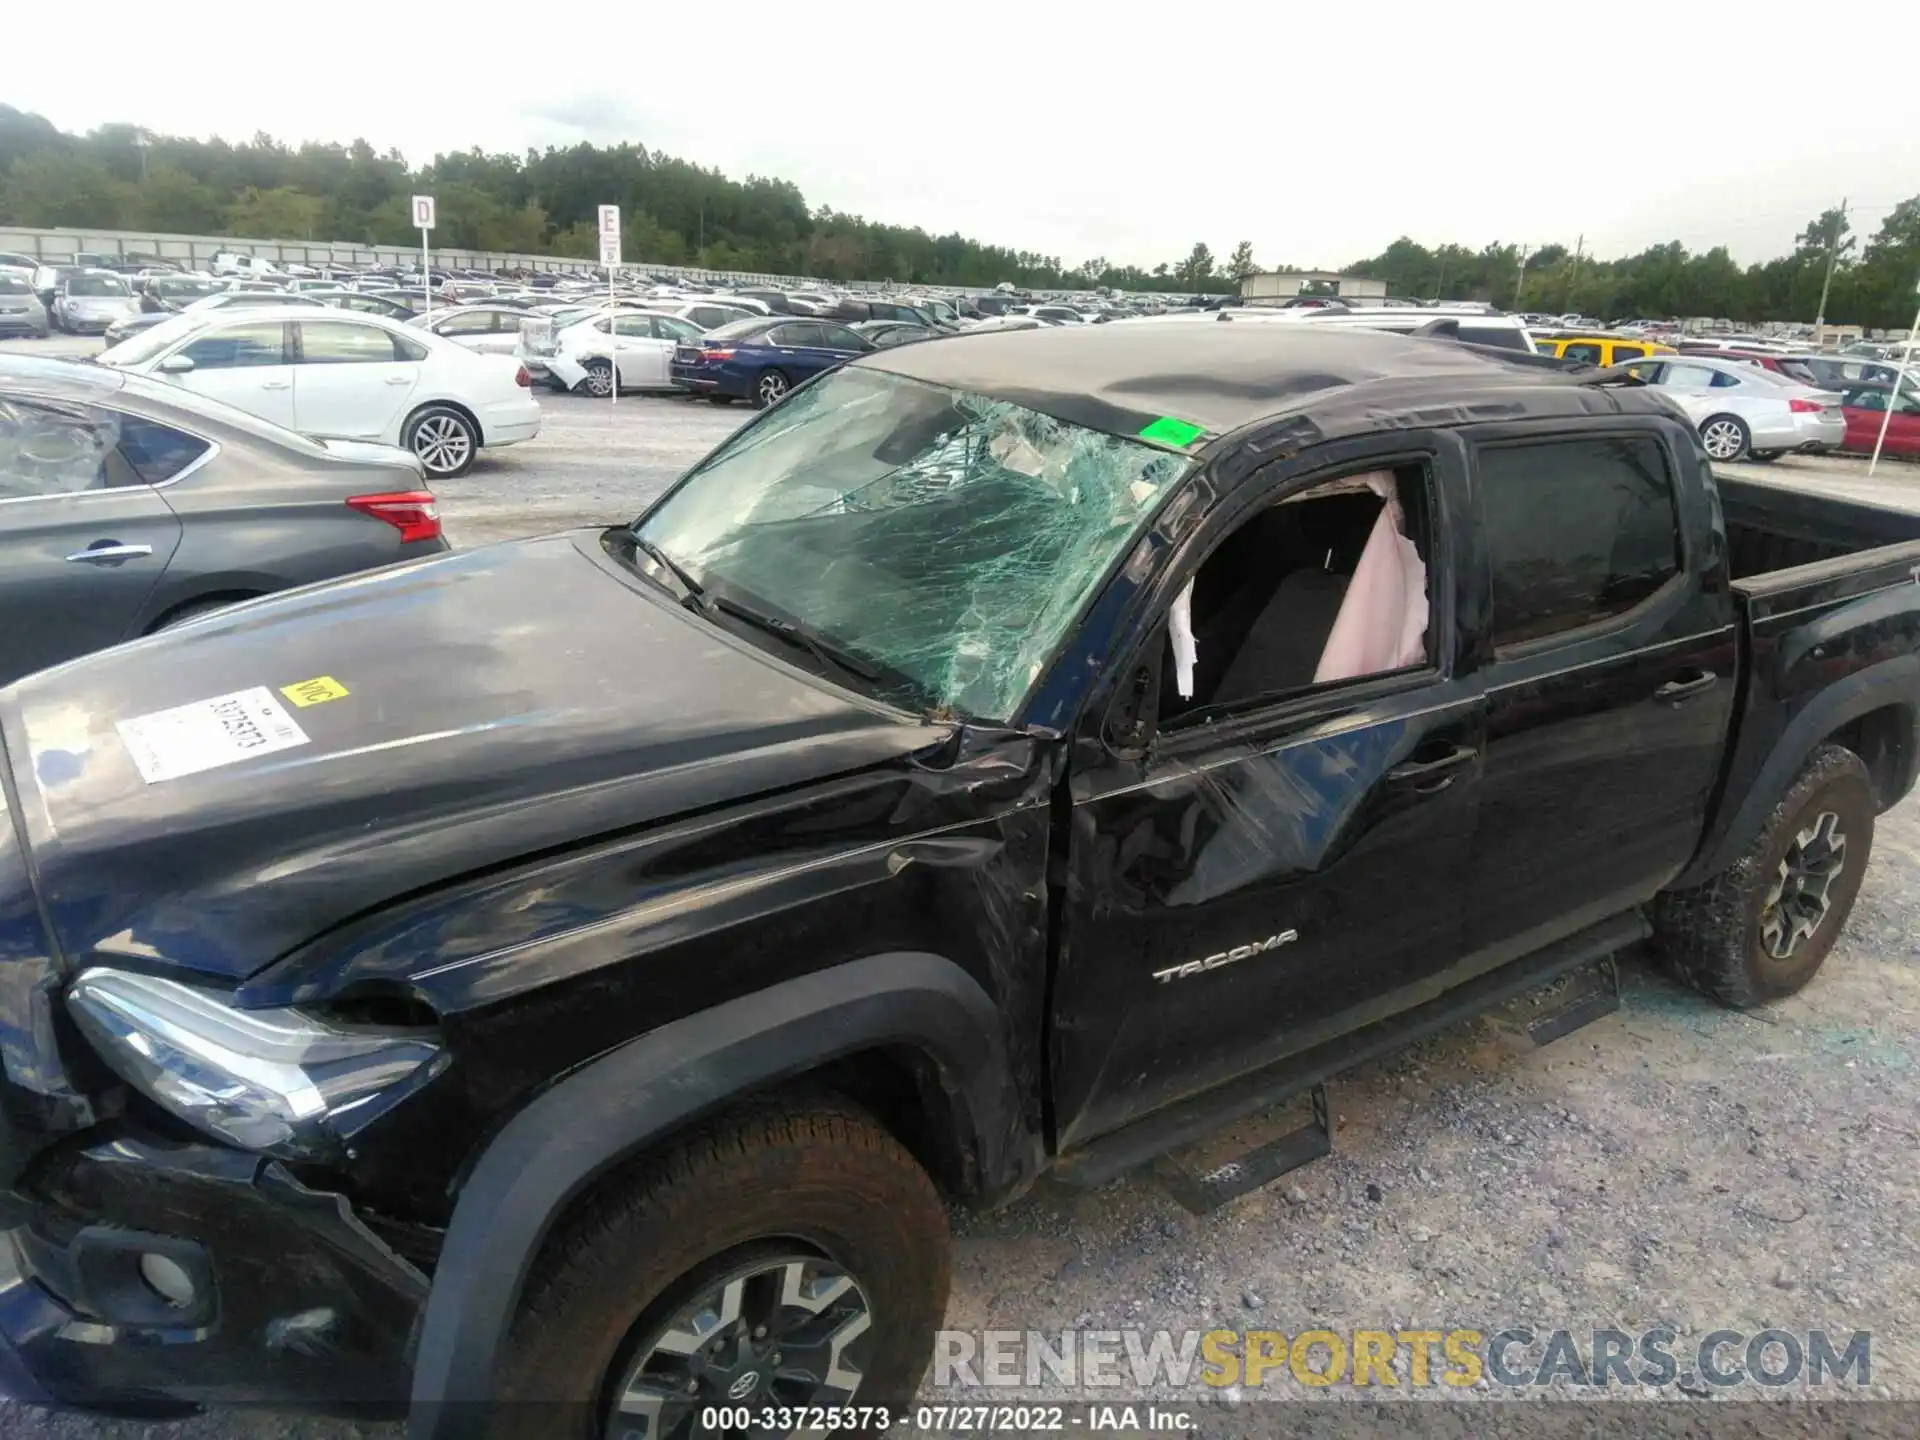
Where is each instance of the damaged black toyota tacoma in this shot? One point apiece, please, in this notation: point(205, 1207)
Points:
point(556, 988)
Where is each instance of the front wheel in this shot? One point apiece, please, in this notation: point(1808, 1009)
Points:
point(784, 1256)
point(770, 389)
point(1725, 437)
point(1766, 457)
point(445, 440)
point(1761, 928)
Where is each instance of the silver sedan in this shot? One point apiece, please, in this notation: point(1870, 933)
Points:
point(129, 506)
point(1744, 412)
point(21, 312)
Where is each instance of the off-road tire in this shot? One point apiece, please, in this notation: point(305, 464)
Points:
point(1710, 935)
point(821, 1171)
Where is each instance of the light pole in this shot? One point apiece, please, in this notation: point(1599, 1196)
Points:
point(1826, 285)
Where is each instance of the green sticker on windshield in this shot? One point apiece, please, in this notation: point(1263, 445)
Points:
point(1169, 431)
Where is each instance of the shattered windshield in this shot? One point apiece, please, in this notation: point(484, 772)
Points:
point(945, 538)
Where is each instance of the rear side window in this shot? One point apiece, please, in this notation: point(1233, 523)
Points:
point(1577, 531)
point(155, 453)
point(1582, 350)
point(338, 342)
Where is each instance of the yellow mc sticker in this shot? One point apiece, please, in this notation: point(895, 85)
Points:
point(316, 691)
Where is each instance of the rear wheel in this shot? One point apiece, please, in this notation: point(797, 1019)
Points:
point(1725, 437)
point(598, 380)
point(771, 388)
point(1761, 928)
point(782, 1256)
point(444, 439)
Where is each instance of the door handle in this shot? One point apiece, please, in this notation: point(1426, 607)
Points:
point(275, 384)
point(399, 380)
point(1429, 777)
point(110, 553)
point(1676, 691)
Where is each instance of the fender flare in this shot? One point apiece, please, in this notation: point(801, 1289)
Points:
point(554, 1149)
point(1892, 682)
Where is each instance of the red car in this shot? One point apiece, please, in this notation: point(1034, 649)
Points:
point(1866, 409)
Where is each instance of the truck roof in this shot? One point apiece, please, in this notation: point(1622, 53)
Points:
point(1121, 378)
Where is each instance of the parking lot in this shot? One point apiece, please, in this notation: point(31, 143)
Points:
point(1674, 1163)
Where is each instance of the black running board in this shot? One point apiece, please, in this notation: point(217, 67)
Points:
point(1582, 1009)
point(1203, 1193)
point(1193, 1119)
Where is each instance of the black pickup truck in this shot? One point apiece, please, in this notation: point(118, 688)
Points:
point(555, 988)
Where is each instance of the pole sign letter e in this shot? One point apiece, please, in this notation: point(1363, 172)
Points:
point(609, 234)
point(423, 212)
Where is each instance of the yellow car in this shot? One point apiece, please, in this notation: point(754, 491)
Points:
point(1598, 349)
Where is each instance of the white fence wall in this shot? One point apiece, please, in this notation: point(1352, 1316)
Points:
point(196, 251)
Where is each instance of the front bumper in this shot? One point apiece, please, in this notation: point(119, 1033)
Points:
point(298, 1303)
point(22, 323)
point(89, 324)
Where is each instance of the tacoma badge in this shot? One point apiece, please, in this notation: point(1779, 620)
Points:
point(1225, 957)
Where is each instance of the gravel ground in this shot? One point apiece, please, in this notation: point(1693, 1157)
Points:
point(1672, 1164)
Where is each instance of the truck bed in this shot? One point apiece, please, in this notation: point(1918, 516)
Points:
point(1771, 528)
point(1828, 591)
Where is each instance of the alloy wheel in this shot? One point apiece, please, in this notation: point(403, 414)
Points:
point(599, 381)
point(787, 1331)
point(1722, 439)
point(773, 387)
point(442, 443)
point(1798, 902)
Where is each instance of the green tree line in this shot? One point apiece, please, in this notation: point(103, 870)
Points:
point(1873, 285)
point(122, 177)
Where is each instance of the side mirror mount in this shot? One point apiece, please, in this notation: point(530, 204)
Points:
point(175, 365)
point(1133, 717)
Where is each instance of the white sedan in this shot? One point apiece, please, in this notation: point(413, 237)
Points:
point(489, 329)
point(341, 375)
point(581, 356)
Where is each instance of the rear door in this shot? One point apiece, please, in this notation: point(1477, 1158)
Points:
point(837, 345)
point(640, 351)
point(802, 346)
point(472, 328)
point(246, 363)
point(83, 538)
point(1608, 668)
point(350, 380)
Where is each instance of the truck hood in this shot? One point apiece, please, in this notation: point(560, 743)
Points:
point(380, 735)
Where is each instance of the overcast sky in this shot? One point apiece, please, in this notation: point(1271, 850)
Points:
point(1122, 132)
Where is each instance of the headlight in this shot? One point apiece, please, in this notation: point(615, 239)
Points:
point(273, 1080)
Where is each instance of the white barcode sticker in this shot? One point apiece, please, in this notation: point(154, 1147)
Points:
point(207, 734)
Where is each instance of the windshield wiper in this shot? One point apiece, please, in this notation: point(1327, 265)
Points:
point(666, 562)
point(822, 650)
